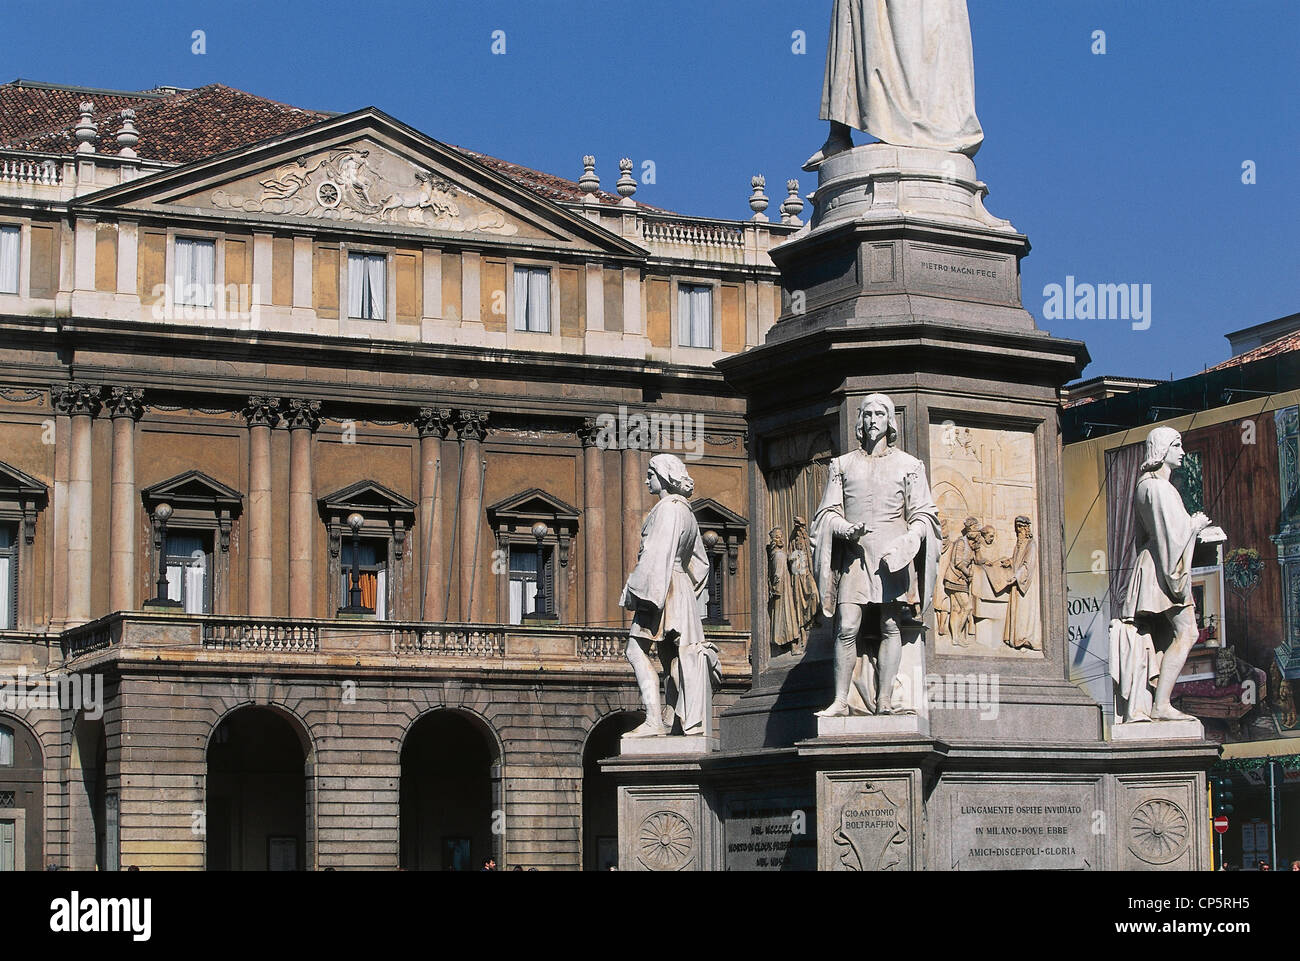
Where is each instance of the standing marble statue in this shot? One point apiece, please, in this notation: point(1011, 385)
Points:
point(780, 592)
point(671, 573)
point(902, 71)
point(876, 553)
point(1159, 610)
point(807, 606)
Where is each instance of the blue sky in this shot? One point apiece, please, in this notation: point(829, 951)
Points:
point(1122, 168)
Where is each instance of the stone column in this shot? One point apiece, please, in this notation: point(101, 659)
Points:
point(81, 402)
point(593, 517)
point(471, 429)
point(303, 417)
point(633, 485)
point(124, 407)
point(433, 423)
point(262, 414)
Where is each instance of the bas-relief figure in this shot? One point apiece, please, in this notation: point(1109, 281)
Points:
point(662, 591)
point(902, 71)
point(1157, 627)
point(987, 595)
point(876, 553)
point(792, 589)
point(350, 184)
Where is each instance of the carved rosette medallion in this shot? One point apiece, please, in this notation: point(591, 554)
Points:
point(666, 841)
point(1159, 831)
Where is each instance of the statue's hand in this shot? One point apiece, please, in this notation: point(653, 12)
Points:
point(856, 531)
point(1200, 522)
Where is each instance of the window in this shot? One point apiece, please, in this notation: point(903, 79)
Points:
point(9, 237)
point(533, 299)
point(695, 315)
point(367, 285)
point(189, 566)
point(196, 272)
point(8, 575)
point(372, 571)
point(6, 746)
point(530, 595)
point(8, 843)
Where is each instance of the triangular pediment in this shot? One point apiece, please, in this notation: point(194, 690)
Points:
point(17, 485)
point(366, 496)
point(368, 173)
point(192, 489)
point(532, 504)
point(709, 513)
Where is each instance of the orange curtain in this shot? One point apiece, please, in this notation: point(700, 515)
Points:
point(369, 584)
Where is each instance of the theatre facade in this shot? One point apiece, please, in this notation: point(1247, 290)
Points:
point(322, 460)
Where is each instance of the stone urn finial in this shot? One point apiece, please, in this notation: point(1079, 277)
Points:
point(589, 183)
point(758, 200)
point(626, 182)
point(86, 131)
point(128, 136)
point(793, 205)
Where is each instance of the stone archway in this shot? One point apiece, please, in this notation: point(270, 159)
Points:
point(257, 793)
point(600, 793)
point(22, 797)
point(450, 794)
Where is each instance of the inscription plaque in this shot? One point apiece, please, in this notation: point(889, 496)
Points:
point(770, 834)
point(1024, 827)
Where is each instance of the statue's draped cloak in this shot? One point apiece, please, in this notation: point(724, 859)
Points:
point(903, 71)
point(1164, 539)
point(890, 494)
point(671, 571)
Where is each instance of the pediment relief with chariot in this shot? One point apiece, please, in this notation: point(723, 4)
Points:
point(363, 183)
point(369, 170)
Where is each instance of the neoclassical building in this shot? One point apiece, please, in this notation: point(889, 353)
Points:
point(322, 449)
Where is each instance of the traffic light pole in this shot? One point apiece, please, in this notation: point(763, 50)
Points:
point(1272, 813)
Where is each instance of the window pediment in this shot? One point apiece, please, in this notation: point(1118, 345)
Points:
point(513, 519)
point(22, 496)
point(729, 527)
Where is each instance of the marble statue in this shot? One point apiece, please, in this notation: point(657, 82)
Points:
point(902, 71)
point(1024, 626)
point(876, 553)
point(780, 592)
point(1157, 626)
point(671, 573)
point(806, 604)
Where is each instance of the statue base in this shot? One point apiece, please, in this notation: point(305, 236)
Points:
point(1191, 730)
point(668, 744)
point(868, 725)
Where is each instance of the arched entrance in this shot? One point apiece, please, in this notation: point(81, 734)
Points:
point(92, 846)
point(22, 797)
point(257, 793)
point(600, 793)
point(451, 789)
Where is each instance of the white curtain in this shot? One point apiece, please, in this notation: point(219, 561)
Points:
point(695, 316)
point(196, 595)
point(6, 747)
point(356, 276)
point(6, 592)
point(376, 286)
point(196, 272)
point(381, 595)
point(187, 572)
point(9, 237)
point(533, 300)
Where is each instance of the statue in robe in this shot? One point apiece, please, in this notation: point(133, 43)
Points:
point(1024, 626)
point(876, 553)
point(1157, 626)
point(902, 71)
point(663, 590)
point(807, 606)
point(780, 592)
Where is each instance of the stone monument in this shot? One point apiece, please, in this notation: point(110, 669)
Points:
point(903, 285)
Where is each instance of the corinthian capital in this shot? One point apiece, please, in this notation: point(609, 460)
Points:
point(434, 422)
point(125, 402)
point(262, 411)
point(302, 414)
point(471, 424)
point(75, 399)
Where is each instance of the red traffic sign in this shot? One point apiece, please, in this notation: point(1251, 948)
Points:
point(1221, 824)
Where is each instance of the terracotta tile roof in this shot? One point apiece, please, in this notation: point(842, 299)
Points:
point(177, 127)
point(183, 126)
point(1275, 348)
